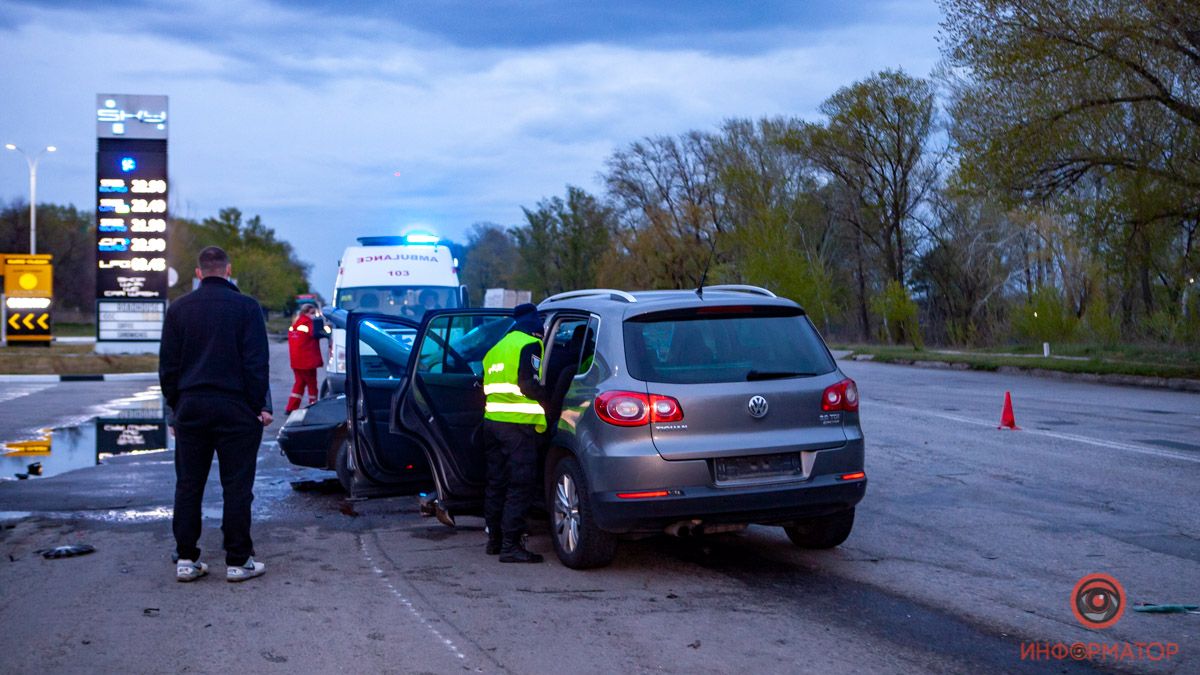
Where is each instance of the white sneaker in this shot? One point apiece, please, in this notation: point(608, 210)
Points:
point(187, 570)
point(248, 571)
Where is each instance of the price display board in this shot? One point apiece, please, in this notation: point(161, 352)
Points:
point(131, 215)
point(131, 220)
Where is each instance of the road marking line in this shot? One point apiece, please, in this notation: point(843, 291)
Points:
point(362, 545)
point(21, 390)
point(1112, 445)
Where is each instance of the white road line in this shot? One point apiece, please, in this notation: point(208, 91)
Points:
point(449, 644)
point(18, 390)
point(1111, 445)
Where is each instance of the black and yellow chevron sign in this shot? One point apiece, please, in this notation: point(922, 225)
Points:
point(28, 325)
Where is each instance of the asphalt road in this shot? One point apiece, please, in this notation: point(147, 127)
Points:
point(968, 543)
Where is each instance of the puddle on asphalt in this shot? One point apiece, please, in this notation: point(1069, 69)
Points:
point(133, 425)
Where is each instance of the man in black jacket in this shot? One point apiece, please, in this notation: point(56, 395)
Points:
point(213, 367)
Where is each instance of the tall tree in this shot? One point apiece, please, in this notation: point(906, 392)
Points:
point(669, 202)
point(877, 151)
point(563, 242)
point(266, 267)
point(490, 260)
point(1092, 108)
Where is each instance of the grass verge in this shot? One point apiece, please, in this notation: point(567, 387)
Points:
point(1114, 361)
point(74, 329)
point(71, 359)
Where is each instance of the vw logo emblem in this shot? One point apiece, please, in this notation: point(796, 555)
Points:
point(757, 406)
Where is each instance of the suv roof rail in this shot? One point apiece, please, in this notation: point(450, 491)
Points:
point(741, 288)
point(589, 292)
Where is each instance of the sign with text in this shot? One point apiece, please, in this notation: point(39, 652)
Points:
point(28, 296)
point(115, 436)
point(131, 116)
point(131, 210)
point(130, 320)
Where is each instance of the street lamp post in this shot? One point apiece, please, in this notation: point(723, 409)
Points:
point(33, 163)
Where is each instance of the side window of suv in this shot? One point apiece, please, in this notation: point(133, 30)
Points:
point(588, 352)
point(563, 350)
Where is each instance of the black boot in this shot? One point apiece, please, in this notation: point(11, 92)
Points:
point(512, 551)
point(493, 542)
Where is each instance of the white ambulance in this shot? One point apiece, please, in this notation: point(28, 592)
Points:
point(403, 275)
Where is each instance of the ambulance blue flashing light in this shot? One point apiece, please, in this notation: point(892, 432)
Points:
point(422, 238)
point(410, 239)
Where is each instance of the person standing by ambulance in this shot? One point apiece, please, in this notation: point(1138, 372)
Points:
point(304, 350)
point(513, 420)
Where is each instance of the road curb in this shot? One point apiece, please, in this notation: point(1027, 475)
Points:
point(105, 377)
point(1172, 383)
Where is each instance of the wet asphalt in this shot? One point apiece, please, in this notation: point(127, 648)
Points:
point(967, 545)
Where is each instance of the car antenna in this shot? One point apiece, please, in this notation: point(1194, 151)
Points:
point(712, 251)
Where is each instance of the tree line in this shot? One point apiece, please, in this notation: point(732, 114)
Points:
point(266, 267)
point(1041, 184)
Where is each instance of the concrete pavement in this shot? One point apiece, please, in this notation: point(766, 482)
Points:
point(968, 543)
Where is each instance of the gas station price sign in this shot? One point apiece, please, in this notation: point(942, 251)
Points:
point(131, 197)
point(131, 220)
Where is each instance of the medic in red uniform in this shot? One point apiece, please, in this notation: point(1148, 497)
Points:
point(304, 347)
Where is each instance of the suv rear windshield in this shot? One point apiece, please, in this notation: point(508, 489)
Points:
point(724, 344)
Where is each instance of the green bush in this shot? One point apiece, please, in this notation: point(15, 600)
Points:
point(1100, 324)
point(897, 312)
point(1045, 318)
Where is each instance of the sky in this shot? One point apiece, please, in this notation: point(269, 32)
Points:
point(335, 119)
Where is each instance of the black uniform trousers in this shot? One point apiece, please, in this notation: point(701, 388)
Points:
point(511, 451)
point(204, 424)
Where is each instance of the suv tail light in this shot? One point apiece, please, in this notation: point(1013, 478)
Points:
point(842, 396)
point(635, 409)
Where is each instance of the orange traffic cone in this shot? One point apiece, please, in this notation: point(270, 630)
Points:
point(1007, 419)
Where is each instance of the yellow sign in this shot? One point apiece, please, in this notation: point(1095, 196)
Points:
point(28, 291)
point(40, 446)
point(29, 276)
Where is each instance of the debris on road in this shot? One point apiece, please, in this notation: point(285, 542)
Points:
point(1167, 609)
point(66, 551)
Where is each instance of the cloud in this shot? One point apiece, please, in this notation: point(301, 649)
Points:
point(305, 113)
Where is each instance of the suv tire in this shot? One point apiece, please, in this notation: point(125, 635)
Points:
point(822, 532)
point(341, 464)
point(577, 541)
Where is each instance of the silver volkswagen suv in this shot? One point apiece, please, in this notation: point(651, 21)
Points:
point(694, 412)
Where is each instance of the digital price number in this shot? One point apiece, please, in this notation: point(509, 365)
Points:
point(131, 219)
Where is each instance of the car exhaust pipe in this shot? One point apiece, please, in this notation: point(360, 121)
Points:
point(685, 529)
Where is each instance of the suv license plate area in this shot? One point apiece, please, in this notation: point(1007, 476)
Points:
point(757, 467)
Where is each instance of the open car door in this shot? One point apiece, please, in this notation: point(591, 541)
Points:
point(379, 350)
point(443, 401)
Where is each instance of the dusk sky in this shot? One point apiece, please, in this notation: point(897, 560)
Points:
point(339, 119)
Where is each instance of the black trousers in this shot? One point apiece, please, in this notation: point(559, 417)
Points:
point(204, 425)
point(511, 451)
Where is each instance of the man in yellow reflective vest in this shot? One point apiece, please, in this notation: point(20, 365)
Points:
point(513, 420)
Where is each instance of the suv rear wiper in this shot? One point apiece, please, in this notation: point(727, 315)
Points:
point(774, 374)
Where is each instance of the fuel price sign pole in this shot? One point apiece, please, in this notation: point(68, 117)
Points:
point(131, 222)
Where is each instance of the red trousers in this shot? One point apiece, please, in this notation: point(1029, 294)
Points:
point(306, 378)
